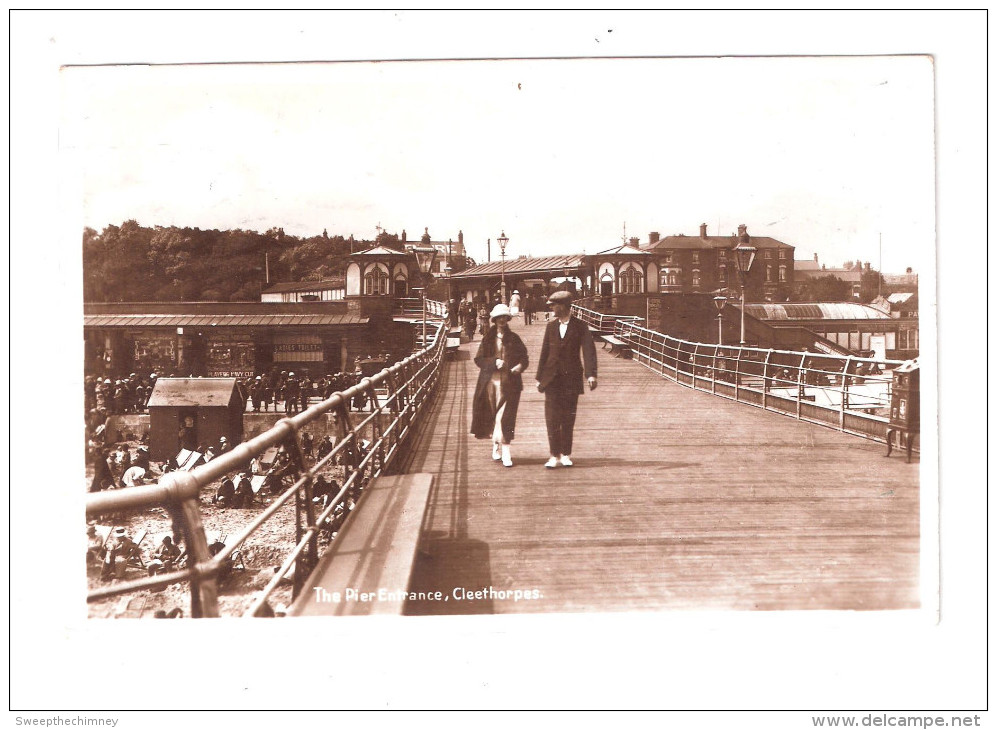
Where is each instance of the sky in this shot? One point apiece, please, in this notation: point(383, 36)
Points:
point(830, 155)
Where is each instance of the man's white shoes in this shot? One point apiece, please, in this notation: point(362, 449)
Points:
point(551, 462)
point(496, 450)
point(566, 461)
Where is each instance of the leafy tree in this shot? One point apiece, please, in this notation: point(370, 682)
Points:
point(827, 288)
point(169, 263)
point(389, 240)
point(870, 286)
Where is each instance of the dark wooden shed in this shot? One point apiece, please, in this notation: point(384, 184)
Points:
point(213, 403)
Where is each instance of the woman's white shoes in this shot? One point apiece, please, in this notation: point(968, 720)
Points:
point(496, 450)
point(506, 456)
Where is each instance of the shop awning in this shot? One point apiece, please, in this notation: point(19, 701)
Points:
point(546, 266)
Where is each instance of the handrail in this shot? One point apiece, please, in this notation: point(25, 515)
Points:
point(601, 322)
point(410, 385)
point(847, 393)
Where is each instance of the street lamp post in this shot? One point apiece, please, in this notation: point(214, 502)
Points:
point(424, 258)
point(503, 241)
point(744, 256)
point(451, 313)
point(721, 302)
point(422, 295)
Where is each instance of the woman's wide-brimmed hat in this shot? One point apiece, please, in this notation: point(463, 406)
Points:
point(501, 310)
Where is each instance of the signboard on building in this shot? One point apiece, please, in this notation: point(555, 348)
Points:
point(232, 356)
point(298, 348)
point(653, 313)
point(155, 353)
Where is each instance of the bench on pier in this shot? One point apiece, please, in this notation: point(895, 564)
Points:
point(453, 341)
point(369, 564)
point(617, 347)
point(596, 332)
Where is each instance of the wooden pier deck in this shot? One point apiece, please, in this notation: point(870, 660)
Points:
point(678, 500)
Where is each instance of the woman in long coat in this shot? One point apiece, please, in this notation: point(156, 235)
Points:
point(502, 358)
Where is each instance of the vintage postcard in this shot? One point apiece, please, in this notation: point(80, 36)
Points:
point(530, 343)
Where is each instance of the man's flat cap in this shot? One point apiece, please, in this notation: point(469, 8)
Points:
point(559, 297)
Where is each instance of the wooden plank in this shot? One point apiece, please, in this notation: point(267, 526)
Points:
point(678, 499)
point(374, 550)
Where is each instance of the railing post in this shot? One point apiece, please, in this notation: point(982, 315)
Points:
point(800, 386)
point(844, 393)
point(695, 364)
point(203, 585)
point(737, 375)
point(766, 382)
point(713, 371)
point(302, 506)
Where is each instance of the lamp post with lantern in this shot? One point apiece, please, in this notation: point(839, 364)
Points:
point(451, 312)
point(720, 302)
point(744, 256)
point(424, 257)
point(503, 241)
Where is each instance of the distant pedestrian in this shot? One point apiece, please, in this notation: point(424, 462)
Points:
point(470, 320)
point(305, 386)
point(256, 393)
point(483, 320)
point(292, 393)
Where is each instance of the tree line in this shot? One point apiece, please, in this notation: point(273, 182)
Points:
point(830, 288)
point(132, 262)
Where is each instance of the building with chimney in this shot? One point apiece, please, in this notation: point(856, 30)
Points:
point(448, 253)
point(698, 264)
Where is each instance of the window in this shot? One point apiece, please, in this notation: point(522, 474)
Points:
point(695, 257)
point(668, 257)
point(782, 253)
point(723, 254)
point(723, 275)
point(768, 273)
point(782, 272)
point(768, 253)
point(376, 282)
point(695, 278)
point(631, 281)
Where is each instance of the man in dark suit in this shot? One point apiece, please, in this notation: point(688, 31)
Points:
point(559, 375)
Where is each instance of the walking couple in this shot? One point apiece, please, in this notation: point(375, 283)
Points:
point(502, 358)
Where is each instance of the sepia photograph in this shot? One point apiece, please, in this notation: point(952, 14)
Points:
point(411, 350)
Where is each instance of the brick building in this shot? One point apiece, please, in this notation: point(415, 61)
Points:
point(684, 264)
